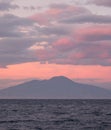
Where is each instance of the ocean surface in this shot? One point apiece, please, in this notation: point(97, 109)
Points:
point(55, 114)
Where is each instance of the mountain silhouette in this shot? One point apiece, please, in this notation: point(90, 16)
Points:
point(58, 87)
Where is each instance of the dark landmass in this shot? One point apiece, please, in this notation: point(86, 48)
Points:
point(58, 87)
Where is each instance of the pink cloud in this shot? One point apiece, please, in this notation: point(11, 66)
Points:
point(94, 33)
point(40, 18)
point(97, 51)
point(54, 12)
point(105, 55)
point(63, 44)
point(66, 51)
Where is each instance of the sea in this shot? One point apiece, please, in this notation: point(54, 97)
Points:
point(55, 114)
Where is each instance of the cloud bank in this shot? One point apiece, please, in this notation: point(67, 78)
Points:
point(59, 34)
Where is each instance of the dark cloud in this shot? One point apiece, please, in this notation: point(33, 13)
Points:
point(58, 6)
point(106, 3)
point(84, 61)
point(7, 5)
point(15, 34)
point(88, 18)
point(10, 24)
point(58, 30)
point(16, 50)
point(12, 20)
point(13, 51)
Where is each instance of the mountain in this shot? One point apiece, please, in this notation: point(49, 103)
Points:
point(58, 87)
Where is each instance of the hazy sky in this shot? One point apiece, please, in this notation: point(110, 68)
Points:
point(45, 38)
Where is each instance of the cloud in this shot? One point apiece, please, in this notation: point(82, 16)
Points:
point(29, 8)
point(64, 44)
point(92, 51)
point(106, 3)
point(87, 46)
point(87, 18)
point(85, 61)
point(48, 36)
point(59, 14)
point(67, 51)
point(44, 55)
point(13, 51)
point(7, 5)
point(10, 25)
point(56, 30)
point(56, 12)
point(94, 33)
point(14, 39)
point(17, 50)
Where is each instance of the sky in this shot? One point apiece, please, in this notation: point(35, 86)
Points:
point(40, 39)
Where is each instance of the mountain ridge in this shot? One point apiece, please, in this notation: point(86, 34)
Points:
point(58, 87)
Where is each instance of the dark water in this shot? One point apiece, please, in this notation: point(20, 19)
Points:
point(55, 114)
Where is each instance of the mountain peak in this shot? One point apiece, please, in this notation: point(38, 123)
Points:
point(60, 78)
